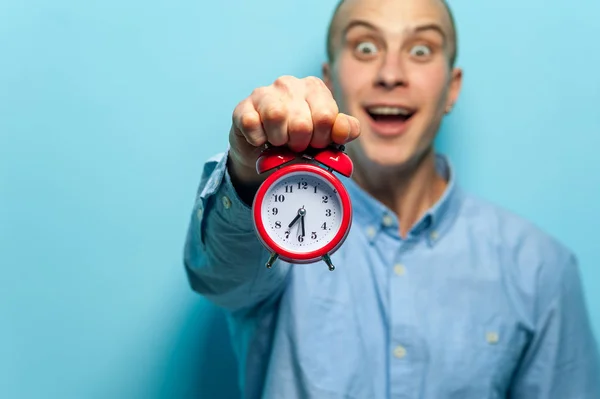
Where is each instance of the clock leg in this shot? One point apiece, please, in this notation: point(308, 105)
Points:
point(327, 260)
point(271, 260)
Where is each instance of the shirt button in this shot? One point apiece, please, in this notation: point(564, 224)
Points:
point(492, 337)
point(399, 352)
point(226, 202)
point(370, 232)
point(388, 221)
point(199, 213)
point(399, 269)
point(434, 235)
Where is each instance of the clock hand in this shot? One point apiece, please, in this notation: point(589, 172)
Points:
point(302, 221)
point(301, 213)
point(295, 220)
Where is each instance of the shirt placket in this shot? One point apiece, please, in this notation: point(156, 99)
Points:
point(405, 351)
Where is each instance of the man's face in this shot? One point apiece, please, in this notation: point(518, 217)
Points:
point(392, 72)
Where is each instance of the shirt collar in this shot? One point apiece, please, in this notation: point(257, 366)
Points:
point(432, 226)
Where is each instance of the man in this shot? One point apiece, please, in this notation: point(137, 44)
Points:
point(436, 293)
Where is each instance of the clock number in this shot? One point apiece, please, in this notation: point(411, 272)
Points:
point(300, 238)
point(313, 235)
point(277, 225)
point(325, 199)
point(315, 189)
point(324, 226)
point(275, 211)
point(327, 212)
point(279, 198)
point(302, 185)
point(288, 189)
point(287, 234)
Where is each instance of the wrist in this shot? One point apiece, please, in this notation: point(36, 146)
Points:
point(244, 178)
point(242, 171)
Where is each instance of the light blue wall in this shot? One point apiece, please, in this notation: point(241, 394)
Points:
point(108, 109)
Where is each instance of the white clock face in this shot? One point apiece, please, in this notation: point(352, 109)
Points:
point(302, 212)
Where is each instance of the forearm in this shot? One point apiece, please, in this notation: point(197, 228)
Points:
point(224, 258)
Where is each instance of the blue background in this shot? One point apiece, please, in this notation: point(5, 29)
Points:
point(108, 110)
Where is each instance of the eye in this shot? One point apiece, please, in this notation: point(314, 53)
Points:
point(366, 48)
point(420, 50)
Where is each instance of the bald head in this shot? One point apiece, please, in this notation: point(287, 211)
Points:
point(339, 18)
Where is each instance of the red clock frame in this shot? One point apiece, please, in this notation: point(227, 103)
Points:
point(330, 247)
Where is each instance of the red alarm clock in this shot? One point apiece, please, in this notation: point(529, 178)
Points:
point(302, 211)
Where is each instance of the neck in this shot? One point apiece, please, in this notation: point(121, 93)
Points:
point(409, 191)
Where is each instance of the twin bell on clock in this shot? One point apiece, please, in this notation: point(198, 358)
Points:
point(302, 211)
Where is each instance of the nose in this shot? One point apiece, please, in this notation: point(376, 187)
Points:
point(391, 73)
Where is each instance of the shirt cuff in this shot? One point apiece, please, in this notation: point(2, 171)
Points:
point(219, 196)
point(231, 207)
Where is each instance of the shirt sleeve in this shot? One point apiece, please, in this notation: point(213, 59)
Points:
point(562, 359)
point(223, 257)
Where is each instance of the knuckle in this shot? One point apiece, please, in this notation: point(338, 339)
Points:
point(301, 126)
point(275, 113)
point(314, 81)
point(259, 92)
point(284, 81)
point(249, 121)
point(285, 84)
point(237, 111)
point(324, 117)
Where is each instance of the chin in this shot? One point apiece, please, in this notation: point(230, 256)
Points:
point(381, 155)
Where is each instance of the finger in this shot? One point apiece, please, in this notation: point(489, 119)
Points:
point(300, 126)
point(342, 128)
point(247, 123)
point(324, 111)
point(273, 114)
point(354, 129)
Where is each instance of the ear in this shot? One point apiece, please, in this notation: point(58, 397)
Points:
point(326, 75)
point(455, 86)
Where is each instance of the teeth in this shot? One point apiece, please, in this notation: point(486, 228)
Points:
point(388, 111)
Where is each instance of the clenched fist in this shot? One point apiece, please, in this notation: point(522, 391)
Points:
point(295, 112)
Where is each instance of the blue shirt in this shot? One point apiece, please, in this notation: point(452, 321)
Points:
point(475, 303)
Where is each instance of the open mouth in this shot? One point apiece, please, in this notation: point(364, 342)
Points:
point(389, 114)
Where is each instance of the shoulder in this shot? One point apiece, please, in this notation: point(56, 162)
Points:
point(510, 230)
point(533, 258)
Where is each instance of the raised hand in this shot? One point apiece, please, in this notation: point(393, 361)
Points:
point(295, 112)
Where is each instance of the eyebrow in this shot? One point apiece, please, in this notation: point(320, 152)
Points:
point(416, 29)
point(358, 22)
point(435, 27)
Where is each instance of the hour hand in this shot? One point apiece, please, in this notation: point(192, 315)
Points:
point(295, 220)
